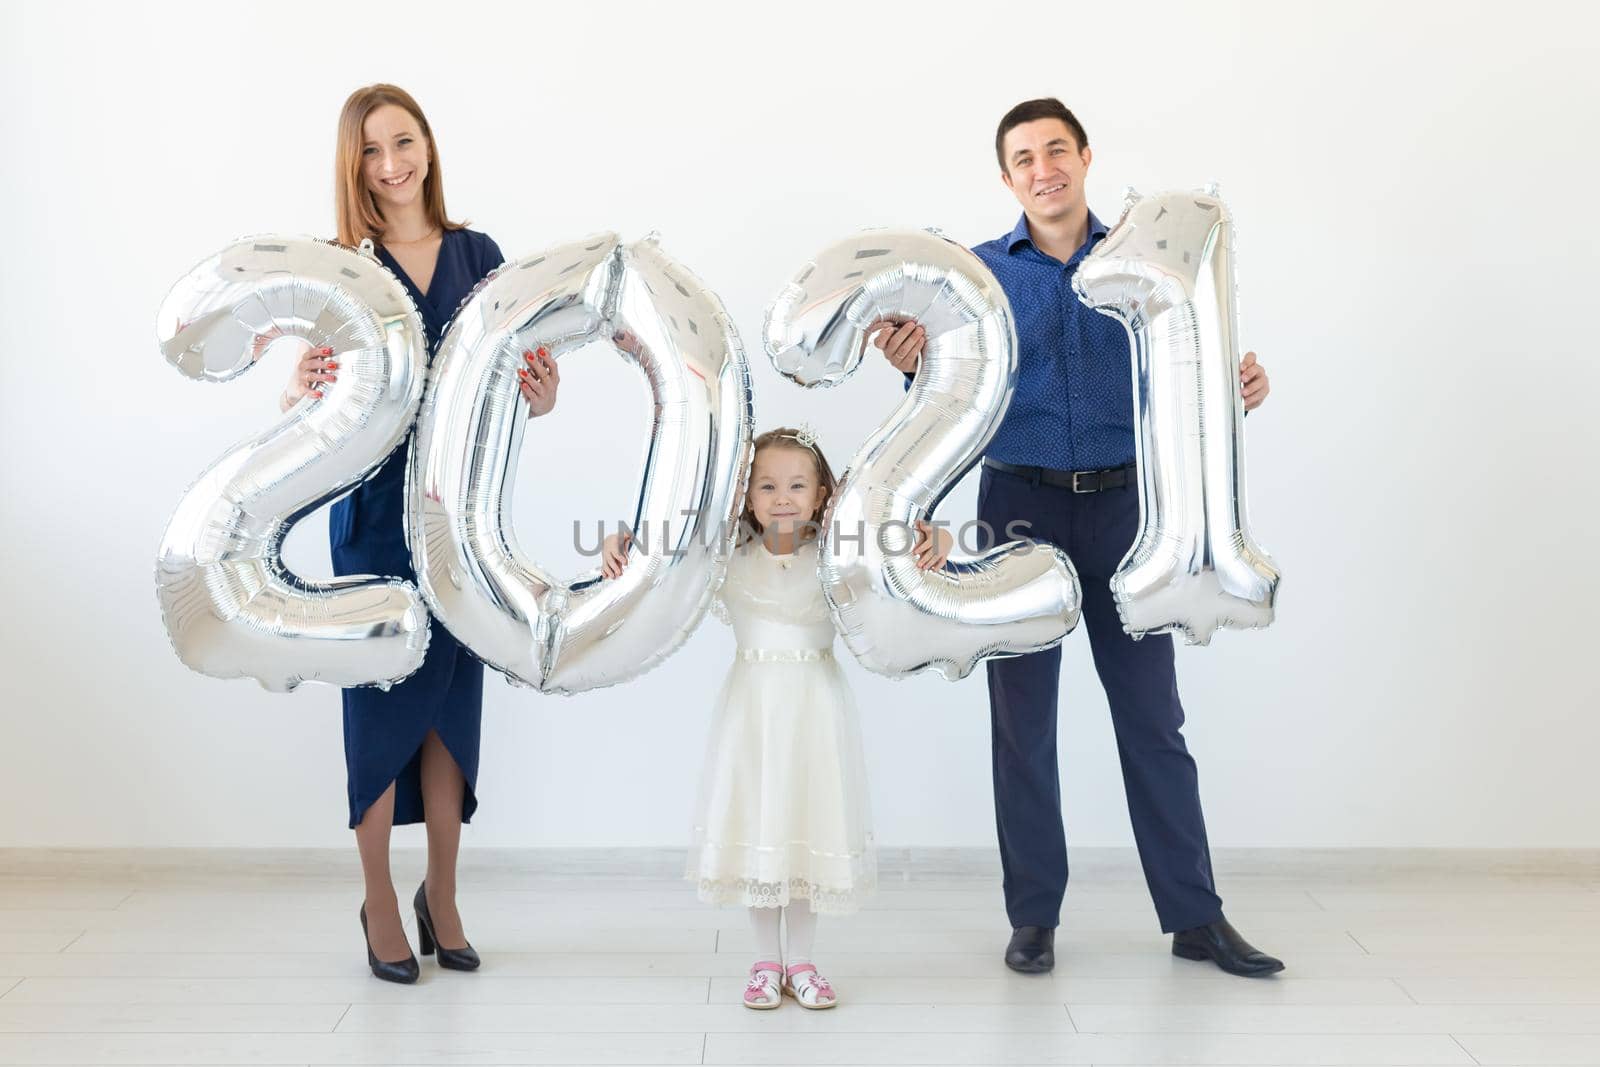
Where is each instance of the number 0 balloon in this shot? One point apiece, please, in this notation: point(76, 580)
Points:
point(569, 636)
point(230, 606)
point(1166, 270)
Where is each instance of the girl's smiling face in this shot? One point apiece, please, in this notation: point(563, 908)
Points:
point(394, 157)
point(785, 491)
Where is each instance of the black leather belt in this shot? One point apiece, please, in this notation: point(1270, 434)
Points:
point(1077, 481)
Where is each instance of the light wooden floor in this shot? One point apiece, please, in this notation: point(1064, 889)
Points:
point(222, 957)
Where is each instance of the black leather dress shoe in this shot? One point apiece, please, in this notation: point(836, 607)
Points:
point(1220, 943)
point(1032, 949)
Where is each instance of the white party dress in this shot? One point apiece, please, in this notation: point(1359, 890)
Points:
point(783, 812)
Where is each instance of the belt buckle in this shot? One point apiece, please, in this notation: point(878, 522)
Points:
point(1077, 488)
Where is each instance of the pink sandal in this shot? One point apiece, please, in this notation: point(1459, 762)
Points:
point(763, 992)
point(808, 988)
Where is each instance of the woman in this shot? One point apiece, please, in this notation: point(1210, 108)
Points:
point(411, 752)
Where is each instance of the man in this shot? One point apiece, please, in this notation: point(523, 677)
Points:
point(1063, 461)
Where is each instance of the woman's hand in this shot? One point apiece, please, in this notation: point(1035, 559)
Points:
point(933, 546)
point(614, 554)
point(315, 368)
point(538, 381)
point(901, 341)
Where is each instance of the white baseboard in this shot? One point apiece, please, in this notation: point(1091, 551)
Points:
point(896, 864)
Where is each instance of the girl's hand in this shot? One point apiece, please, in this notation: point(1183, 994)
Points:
point(1253, 382)
point(933, 546)
point(538, 381)
point(315, 368)
point(614, 554)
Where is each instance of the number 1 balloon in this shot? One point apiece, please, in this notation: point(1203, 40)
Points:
point(896, 618)
point(569, 636)
point(230, 606)
point(1166, 271)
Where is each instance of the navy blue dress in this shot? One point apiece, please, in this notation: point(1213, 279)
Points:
point(384, 731)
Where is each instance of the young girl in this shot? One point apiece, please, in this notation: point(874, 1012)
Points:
point(782, 820)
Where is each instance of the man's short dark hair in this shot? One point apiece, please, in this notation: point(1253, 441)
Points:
point(1047, 107)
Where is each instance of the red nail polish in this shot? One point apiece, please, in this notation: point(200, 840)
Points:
point(543, 351)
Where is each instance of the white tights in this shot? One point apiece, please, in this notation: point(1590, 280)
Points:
point(801, 922)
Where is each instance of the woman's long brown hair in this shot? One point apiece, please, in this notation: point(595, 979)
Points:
point(358, 215)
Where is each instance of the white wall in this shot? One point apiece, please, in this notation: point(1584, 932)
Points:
point(1417, 256)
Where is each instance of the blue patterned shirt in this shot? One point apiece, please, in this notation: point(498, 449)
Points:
point(1073, 405)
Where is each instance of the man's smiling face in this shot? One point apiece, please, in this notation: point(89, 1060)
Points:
point(1045, 169)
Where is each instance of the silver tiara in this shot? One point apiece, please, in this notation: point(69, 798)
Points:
point(805, 436)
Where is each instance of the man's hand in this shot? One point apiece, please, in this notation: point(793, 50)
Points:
point(1253, 381)
point(628, 342)
point(902, 342)
point(933, 546)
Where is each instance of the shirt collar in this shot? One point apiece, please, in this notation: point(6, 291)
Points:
point(1019, 233)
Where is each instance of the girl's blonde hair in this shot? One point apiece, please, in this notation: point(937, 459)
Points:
point(357, 213)
point(788, 437)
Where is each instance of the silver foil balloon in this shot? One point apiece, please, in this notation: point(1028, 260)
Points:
point(897, 619)
point(570, 636)
point(230, 606)
point(1166, 271)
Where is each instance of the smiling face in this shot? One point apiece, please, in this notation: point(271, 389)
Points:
point(394, 157)
point(785, 489)
point(1045, 169)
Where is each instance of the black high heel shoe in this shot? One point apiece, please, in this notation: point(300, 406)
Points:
point(403, 971)
point(456, 959)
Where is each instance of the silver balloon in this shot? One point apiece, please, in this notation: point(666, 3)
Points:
point(897, 619)
point(230, 606)
point(570, 636)
point(1166, 270)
